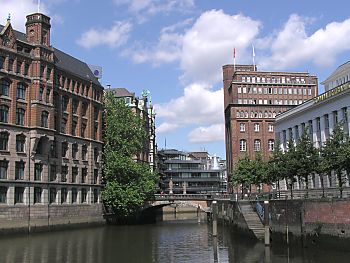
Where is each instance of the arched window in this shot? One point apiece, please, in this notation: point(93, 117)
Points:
point(4, 138)
point(243, 145)
point(20, 142)
point(21, 91)
point(257, 145)
point(4, 112)
point(44, 119)
point(242, 127)
point(266, 115)
point(260, 114)
point(20, 114)
point(238, 115)
point(271, 144)
point(246, 114)
point(4, 87)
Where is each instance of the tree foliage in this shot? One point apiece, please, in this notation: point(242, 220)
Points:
point(128, 184)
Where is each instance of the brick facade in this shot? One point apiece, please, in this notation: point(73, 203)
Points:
point(53, 103)
point(252, 99)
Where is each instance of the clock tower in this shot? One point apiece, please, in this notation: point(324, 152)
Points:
point(38, 29)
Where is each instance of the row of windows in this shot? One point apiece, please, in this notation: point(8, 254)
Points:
point(38, 172)
point(53, 195)
point(269, 90)
point(257, 145)
point(242, 127)
point(289, 80)
point(255, 114)
point(270, 102)
point(5, 89)
point(20, 66)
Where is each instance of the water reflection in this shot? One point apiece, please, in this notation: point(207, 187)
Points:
point(173, 241)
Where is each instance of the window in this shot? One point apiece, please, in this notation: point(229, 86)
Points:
point(63, 195)
point(21, 91)
point(53, 149)
point(95, 196)
point(37, 195)
point(4, 112)
point(271, 145)
point(63, 125)
point(242, 127)
point(74, 195)
point(52, 197)
point(3, 169)
point(38, 167)
point(53, 172)
point(326, 121)
point(243, 145)
point(83, 195)
point(3, 194)
point(83, 128)
point(74, 151)
point(19, 170)
point(48, 73)
point(95, 176)
point(41, 93)
point(10, 68)
point(96, 113)
point(19, 66)
point(345, 114)
point(4, 137)
point(26, 69)
point(96, 131)
point(42, 70)
point(65, 101)
point(84, 152)
point(64, 173)
point(84, 109)
point(20, 114)
point(20, 142)
point(74, 128)
point(74, 174)
point(318, 124)
point(48, 93)
point(95, 154)
point(256, 127)
point(64, 149)
point(44, 119)
point(335, 118)
point(19, 191)
point(75, 106)
point(83, 175)
point(2, 60)
point(270, 127)
point(257, 145)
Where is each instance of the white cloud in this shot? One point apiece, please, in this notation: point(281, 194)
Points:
point(19, 9)
point(198, 106)
point(145, 8)
point(292, 46)
point(116, 36)
point(167, 127)
point(210, 133)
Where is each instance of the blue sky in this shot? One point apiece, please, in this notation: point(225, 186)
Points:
point(176, 48)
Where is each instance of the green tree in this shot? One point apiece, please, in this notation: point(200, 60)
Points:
point(334, 155)
point(128, 184)
point(290, 166)
point(306, 159)
point(242, 174)
point(275, 167)
point(259, 171)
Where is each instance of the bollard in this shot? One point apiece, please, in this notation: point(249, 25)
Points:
point(267, 223)
point(215, 218)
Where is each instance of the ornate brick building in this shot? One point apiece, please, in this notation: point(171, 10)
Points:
point(252, 99)
point(50, 122)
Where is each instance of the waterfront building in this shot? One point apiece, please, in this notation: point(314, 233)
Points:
point(50, 126)
point(318, 117)
point(142, 106)
point(252, 99)
point(191, 172)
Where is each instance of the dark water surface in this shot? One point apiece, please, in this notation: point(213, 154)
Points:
point(178, 241)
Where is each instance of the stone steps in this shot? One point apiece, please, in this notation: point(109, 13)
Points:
point(253, 221)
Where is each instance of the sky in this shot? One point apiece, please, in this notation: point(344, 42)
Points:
point(176, 49)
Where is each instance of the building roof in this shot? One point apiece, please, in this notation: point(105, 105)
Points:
point(336, 73)
point(199, 155)
point(122, 92)
point(64, 61)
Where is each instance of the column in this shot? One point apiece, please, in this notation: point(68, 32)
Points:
point(314, 132)
point(323, 132)
point(331, 122)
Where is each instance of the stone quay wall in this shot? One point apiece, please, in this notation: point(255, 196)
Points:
point(25, 219)
point(311, 222)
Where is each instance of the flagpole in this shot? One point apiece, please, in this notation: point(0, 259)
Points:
point(234, 59)
point(253, 56)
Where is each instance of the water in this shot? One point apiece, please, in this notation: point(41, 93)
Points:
point(174, 241)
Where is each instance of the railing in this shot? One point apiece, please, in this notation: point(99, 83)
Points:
point(260, 211)
point(208, 196)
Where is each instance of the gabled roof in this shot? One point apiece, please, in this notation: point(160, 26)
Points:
point(64, 61)
point(122, 92)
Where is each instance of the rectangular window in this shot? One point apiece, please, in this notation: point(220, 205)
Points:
point(37, 195)
point(270, 127)
point(38, 167)
point(95, 176)
point(52, 196)
point(83, 175)
point(256, 127)
point(3, 169)
point(63, 195)
point(95, 196)
point(64, 173)
point(26, 69)
point(74, 195)
point(53, 172)
point(19, 170)
point(83, 195)
point(242, 127)
point(19, 192)
point(18, 68)
point(10, 68)
point(335, 118)
point(75, 106)
point(74, 174)
point(3, 195)
point(84, 152)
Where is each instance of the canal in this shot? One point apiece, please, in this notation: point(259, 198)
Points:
point(176, 240)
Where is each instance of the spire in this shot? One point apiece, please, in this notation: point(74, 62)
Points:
point(9, 18)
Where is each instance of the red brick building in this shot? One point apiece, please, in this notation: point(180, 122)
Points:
point(50, 121)
point(252, 99)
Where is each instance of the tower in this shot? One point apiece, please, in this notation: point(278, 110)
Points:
point(38, 29)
